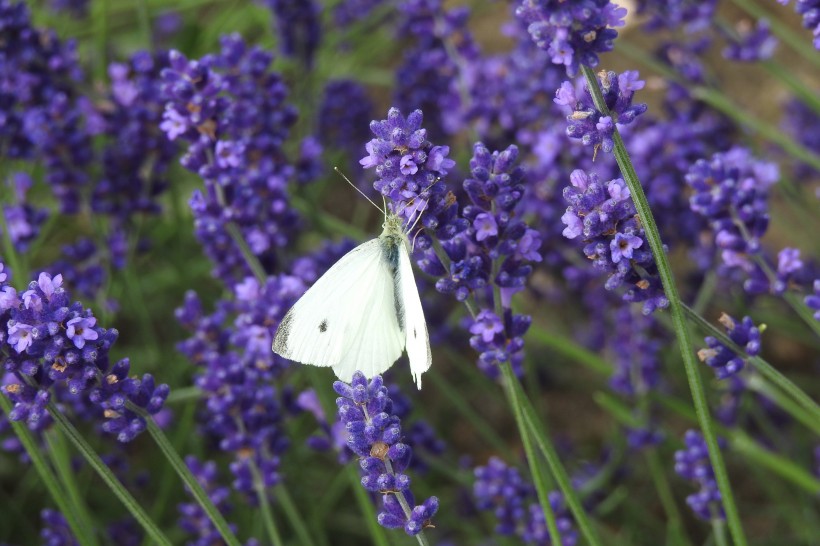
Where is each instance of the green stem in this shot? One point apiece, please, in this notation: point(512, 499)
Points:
point(480, 425)
point(35, 453)
point(656, 469)
point(678, 318)
point(62, 464)
point(293, 515)
point(539, 476)
point(377, 533)
point(250, 258)
point(559, 473)
point(570, 349)
point(264, 505)
point(719, 531)
point(764, 368)
point(751, 451)
point(185, 474)
point(806, 95)
point(108, 476)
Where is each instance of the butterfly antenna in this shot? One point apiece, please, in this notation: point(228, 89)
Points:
point(383, 211)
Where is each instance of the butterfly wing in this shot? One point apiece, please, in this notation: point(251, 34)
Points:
point(347, 320)
point(417, 340)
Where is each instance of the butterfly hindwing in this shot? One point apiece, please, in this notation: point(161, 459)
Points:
point(415, 327)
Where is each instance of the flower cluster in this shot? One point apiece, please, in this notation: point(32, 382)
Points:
point(137, 156)
point(662, 150)
point(691, 16)
point(409, 169)
point(343, 115)
point(731, 191)
point(604, 217)
point(298, 28)
point(724, 360)
point(637, 353)
point(435, 64)
point(573, 32)
point(55, 351)
point(495, 250)
point(595, 128)
point(374, 434)
point(42, 113)
point(55, 530)
point(243, 412)
point(810, 10)
point(751, 44)
point(192, 518)
point(813, 299)
point(23, 219)
point(692, 463)
point(501, 488)
point(348, 12)
point(802, 123)
point(232, 111)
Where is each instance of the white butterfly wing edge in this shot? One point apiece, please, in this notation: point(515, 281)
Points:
point(417, 340)
point(347, 319)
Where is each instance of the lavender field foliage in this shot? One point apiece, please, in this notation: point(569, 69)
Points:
point(615, 249)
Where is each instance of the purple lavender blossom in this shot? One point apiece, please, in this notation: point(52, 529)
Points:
point(810, 10)
point(400, 141)
point(348, 12)
point(55, 351)
point(751, 44)
point(75, 8)
point(573, 32)
point(637, 353)
point(731, 192)
point(22, 217)
point(298, 27)
point(508, 92)
point(813, 300)
point(192, 518)
point(433, 68)
point(137, 157)
point(501, 488)
point(604, 217)
point(374, 434)
point(231, 347)
point(55, 531)
point(42, 112)
point(586, 123)
point(692, 463)
point(689, 15)
point(803, 125)
point(725, 361)
point(344, 114)
point(232, 112)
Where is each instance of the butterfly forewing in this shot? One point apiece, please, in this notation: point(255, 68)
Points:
point(347, 319)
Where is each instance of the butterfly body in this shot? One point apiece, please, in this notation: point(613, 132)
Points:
point(361, 313)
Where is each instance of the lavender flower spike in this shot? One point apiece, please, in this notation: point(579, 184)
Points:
point(592, 127)
point(572, 32)
point(374, 434)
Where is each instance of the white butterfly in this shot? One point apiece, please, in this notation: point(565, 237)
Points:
point(362, 313)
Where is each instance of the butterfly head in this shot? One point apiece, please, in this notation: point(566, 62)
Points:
point(393, 224)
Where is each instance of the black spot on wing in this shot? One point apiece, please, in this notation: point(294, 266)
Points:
point(415, 335)
point(323, 326)
point(280, 341)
